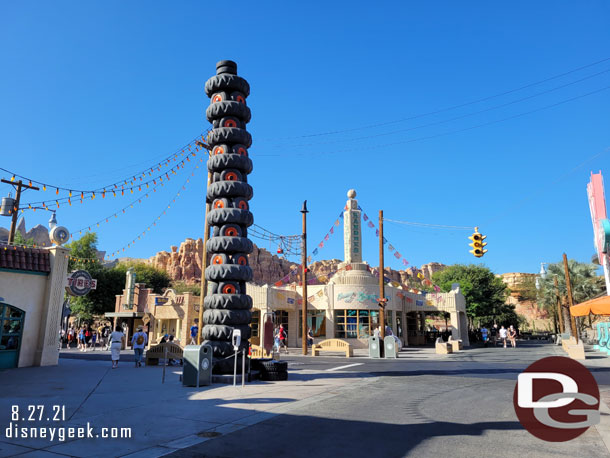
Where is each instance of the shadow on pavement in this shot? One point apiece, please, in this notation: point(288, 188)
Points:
point(307, 436)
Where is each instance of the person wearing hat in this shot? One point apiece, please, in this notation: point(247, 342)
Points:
point(139, 341)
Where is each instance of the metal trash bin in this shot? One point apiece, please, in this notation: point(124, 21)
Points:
point(374, 347)
point(390, 349)
point(197, 369)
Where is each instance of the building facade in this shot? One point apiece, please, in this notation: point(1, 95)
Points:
point(347, 307)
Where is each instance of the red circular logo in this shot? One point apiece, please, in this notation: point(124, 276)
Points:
point(556, 399)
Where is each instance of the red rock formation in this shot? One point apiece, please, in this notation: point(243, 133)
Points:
point(184, 264)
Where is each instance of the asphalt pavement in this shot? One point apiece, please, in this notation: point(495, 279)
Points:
point(419, 404)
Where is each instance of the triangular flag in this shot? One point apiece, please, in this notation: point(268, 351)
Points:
point(365, 217)
point(397, 255)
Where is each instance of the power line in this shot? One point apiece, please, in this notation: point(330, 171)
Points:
point(455, 118)
point(465, 129)
point(439, 226)
point(442, 110)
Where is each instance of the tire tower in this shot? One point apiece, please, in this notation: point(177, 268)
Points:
point(226, 305)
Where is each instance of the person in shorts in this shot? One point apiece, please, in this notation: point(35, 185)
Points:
point(512, 336)
point(282, 335)
point(503, 335)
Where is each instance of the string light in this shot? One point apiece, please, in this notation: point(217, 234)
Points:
point(69, 191)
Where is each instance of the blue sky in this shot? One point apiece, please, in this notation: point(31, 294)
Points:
point(96, 91)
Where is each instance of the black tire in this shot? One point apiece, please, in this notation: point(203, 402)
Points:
point(227, 317)
point(228, 272)
point(229, 189)
point(274, 376)
point(219, 110)
point(229, 245)
point(257, 364)
point(275, 366)
point(227, 83)
point(229, 135)
point(222, 348)
point(226, 67)
point(227, 302)
point(230, 161)
point(222, 332)
point(225, 365)
point(222, 216)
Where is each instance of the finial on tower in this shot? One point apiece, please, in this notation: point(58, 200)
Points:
point(351, 193)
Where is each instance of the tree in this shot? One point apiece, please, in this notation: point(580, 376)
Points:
point(19, 239)
point(485, 293)
point(110, 281)
point(585, 282)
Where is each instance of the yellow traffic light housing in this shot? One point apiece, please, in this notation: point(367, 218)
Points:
point(478, 244)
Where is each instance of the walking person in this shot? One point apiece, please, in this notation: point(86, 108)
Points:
point(117, 339)
point(70, 336)
point(512, 336)
point(503, 335)
point(309, 337)
point(139, 341)
point(282, 335)
point(276, 339)
point(81, 339)
point(194, 332)
point(93, 340)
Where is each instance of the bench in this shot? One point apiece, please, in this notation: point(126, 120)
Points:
point(442, 347)
point(456, 345)
point(337, 345)
point(259, 352)
point(154, 354)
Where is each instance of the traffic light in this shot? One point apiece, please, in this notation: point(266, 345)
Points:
point(478, 245)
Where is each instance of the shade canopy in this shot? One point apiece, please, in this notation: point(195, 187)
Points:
point(599, 306)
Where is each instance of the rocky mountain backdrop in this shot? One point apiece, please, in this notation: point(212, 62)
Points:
point(183, 263)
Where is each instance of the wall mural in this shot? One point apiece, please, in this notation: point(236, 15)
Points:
point(227, 307)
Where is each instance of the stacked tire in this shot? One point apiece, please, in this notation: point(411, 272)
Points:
point(226, 305)
point(271, 370)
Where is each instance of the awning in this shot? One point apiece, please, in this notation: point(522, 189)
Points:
point(124, 314)
point(599, 306)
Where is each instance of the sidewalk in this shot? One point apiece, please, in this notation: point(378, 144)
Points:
point(163, 417)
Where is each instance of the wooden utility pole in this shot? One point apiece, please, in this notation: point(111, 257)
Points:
point(570, 304)
point(19, 185)
point(381, 284)
point(304, 277)
point(204, 258)
point(559, 309)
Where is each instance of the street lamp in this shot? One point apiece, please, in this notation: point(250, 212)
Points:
point(541, 274)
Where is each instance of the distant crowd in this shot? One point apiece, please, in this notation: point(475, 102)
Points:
point(495, 335)
point(85, 337)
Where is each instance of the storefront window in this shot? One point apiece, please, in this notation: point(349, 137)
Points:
point(254, 324)
point(281, 317)
point(316, 321)
point(351, 324)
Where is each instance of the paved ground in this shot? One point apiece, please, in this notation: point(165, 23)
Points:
point(425, 404)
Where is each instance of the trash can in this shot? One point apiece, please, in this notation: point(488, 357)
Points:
point(197, 369)
point(374, 350)
point(390, 347)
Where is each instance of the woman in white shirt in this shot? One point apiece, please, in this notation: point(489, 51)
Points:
point(117, 338)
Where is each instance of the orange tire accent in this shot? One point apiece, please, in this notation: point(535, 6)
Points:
point(228, 289)
point(219, 204)
point(242, 151)
point(242, 261)
point(217, 98)
point(230, 123)
point(231, 176)
point(241, 99)
point(217, 260)
point(243, 205)
point(219, 150)
point(230, 232)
